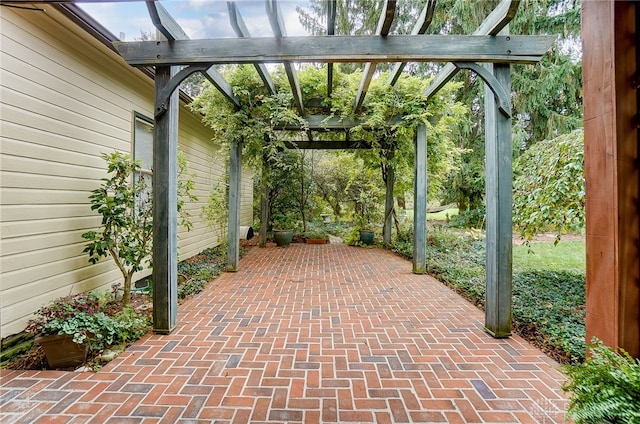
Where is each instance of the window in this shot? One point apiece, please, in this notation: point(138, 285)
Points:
point(143, 152)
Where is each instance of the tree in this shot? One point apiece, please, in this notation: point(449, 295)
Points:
point(125, 204)
point(126, 228)
point(549, 192)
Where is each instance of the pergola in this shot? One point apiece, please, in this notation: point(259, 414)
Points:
point(488, 52)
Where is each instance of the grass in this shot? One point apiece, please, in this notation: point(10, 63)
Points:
point(565, 256)
point(442, 215)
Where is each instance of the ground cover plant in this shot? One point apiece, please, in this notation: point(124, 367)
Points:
point(548, 305)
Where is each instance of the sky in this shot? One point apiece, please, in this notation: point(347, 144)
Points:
point(198, 18)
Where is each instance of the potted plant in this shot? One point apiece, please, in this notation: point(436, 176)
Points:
point(71, 326)
point(316, 236)
point(283, 230)
point(366, 234)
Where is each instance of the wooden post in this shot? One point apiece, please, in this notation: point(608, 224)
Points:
point(235, 177)
point(165, 209)
point(420, 201)
point(499, 198)
point(388, 201)
point(610, 36)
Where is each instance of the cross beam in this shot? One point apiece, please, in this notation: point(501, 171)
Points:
point(398, 48)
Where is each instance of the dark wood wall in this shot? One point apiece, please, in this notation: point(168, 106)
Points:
point(611, 167)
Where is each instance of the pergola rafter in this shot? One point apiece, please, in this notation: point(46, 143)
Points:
point(241, 31)
point(384, 26)
point(424, 20)
point(490, 44)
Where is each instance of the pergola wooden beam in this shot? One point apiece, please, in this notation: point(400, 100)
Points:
point(241, 31)
point(325, 123)
point(279, 30)
point(327, 145)
point(424, 20)
point(397, 48)
point(492, 25)
point(384, 25)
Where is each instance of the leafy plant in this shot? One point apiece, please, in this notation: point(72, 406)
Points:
point(316, 234)
point(84, 316)
point(549, 191)
point(127, 213)
point(605, 388)
point(215, 211)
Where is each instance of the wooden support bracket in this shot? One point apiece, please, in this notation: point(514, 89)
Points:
point(502, 97)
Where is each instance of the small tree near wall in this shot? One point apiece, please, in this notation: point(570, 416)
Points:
point(126, 230)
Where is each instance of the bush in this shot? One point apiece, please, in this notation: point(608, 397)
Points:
point(471, 218)
point(605, 388)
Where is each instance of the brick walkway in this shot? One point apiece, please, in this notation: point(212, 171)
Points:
point(307, 334)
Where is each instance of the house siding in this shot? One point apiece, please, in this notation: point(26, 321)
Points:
point(64, 100)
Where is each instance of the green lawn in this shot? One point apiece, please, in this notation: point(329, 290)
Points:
point(442, 215)
point(565, 256)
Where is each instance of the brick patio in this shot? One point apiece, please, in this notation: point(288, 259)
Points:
point(307, 334)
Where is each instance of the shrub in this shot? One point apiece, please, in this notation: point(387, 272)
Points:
point(605, 388)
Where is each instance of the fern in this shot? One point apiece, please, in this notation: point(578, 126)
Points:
point(605, 388)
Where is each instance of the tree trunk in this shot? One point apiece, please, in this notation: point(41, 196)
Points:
point(126, 294)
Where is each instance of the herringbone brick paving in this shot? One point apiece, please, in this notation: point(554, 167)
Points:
point(307, 334)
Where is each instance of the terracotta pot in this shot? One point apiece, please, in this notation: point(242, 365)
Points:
point(316, 241)
point(61, 351)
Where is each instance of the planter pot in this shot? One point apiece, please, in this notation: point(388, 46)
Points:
point(283, 237)
point(61, 351)
point(366, 237)
point(316, 241)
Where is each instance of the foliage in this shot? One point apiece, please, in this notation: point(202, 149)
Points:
point(469, 218)
point(316, 234)
point(126, 233)
point(548, 306)
point(85, 317)
point(216, 209)
point(605, 388)
point(256, 124)
point(352, 238)
point(549, 191)
point(549, 310)
point(125, 205)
